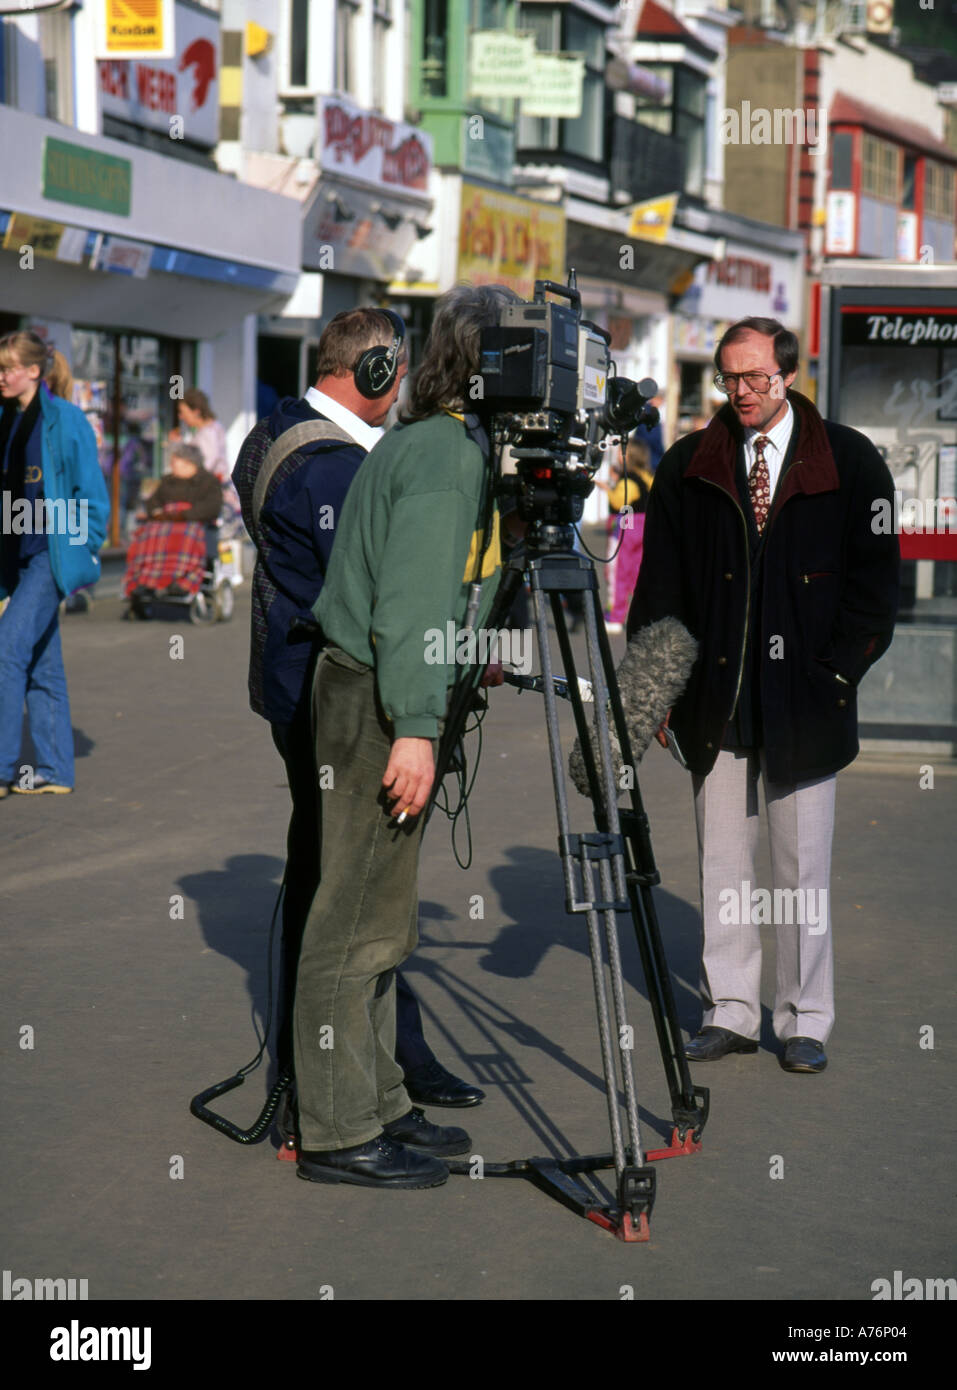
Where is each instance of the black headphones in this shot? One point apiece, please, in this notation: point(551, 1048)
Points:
point(376, 369)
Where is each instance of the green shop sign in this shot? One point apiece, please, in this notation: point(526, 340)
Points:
point(75, 174)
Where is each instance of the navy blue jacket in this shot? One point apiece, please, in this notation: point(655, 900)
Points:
point(293, 543)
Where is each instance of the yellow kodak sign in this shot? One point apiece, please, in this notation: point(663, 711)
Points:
point(651, 220)
point(136, 26)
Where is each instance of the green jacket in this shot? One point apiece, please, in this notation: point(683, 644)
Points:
point(407, 551)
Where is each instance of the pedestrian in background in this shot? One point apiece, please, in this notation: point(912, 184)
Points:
point(202, 428)
point(627, 499)
point(48, 455)
point(168, 552)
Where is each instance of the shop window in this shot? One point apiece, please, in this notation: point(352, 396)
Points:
point(880, 169)
point(842, 160)
point(121, 382)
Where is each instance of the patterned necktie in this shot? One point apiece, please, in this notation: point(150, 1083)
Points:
point(759, 483)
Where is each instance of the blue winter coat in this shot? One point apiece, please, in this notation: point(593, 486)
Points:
point(71, 473)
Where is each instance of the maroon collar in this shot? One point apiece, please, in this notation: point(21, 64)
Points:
point(813, 469)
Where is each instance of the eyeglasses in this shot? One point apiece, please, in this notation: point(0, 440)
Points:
point(10, 371)
point(755, 381)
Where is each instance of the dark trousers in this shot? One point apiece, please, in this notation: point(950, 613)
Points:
point(294, 743)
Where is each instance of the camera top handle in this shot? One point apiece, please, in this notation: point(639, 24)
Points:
point(568, 292)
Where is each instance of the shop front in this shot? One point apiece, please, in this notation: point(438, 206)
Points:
point(146, 295)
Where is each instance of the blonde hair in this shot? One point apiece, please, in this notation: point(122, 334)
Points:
point(28, 349)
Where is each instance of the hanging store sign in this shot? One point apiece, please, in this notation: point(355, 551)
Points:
point(180, 97)
point(504, 240)
point(131, 28)
point(555, 88)
point(360, 145)
point(651, 220)
point(500, 63)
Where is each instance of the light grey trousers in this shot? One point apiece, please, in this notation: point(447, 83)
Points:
point(734, 905)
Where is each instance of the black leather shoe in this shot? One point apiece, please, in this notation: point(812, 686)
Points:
point(379, 1163)
point(416, 1132)
point(712, 1043)
point(433, 1085)
point(803, 1054)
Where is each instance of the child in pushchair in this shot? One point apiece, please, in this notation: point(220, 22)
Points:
point(168, 555)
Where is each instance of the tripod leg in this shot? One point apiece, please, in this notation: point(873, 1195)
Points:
point(686, 1110)
point(606, 849)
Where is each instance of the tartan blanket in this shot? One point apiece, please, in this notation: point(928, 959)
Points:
point(166, 552)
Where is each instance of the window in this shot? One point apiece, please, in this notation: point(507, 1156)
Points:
point(434, 29)
point(381, 26)
point(681, 110)
point(346, 12)
point(56, 45)
point(938, 191)
point(491, 14)
point(545, 22)
point(586, 136)
point(562, 29)
point(880, 172)
point(299, 44)
point(842, 160)
point(909, 188)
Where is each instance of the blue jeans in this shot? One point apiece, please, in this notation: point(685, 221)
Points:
point(31, 669)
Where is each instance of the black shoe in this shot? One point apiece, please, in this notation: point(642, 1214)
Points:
point(803, 1054)
point(416, 1132)
point(713, 1043)
point(379, 1163)
point(431, 1084)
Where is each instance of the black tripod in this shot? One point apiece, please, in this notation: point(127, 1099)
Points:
point(607, 871)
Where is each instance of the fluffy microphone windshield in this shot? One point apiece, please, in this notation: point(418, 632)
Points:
point(651, 678)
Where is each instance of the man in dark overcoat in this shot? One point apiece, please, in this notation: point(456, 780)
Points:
point(763, 537)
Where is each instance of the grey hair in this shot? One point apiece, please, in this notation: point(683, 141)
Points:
point(451, 357)
point(190, 452)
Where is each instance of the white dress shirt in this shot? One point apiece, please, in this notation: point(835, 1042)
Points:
point(775, 450)
point(365, 435)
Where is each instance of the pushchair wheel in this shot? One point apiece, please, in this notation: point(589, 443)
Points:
point(224, 601)
point(202, 609)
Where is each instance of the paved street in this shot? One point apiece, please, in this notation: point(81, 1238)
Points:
point(133, 1010)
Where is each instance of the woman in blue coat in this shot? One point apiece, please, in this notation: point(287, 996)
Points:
point(54, 510)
